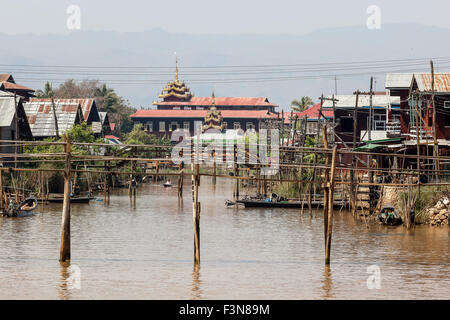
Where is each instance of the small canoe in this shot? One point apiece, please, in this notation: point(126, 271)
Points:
point(24, 209)
point(389, 216)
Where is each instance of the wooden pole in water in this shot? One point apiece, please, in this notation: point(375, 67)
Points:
point(64, 252)
point(330, 207)
point(196, 212)
point(214, 172)
point(354, 162)
point(180, 180)
point(326, 188)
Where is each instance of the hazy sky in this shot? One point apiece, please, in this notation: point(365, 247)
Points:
point(211, 16)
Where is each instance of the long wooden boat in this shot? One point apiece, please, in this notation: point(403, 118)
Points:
point(253, 203)
point(85, 199)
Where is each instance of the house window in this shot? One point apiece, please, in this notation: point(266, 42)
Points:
point(250, 126)
point(173, 126)
point(176, 108)
point(225, 124)
point(199, 108)
point(149, 126)
point(186, 125)
point(379, 122)
point(237, 125)
point(187, 108)
point(162, 126)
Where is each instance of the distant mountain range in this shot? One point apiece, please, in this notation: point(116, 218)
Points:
point(156, 48)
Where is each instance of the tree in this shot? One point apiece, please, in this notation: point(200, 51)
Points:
point(139, 136)
point(302, 104)
point(46, 93)
point(106, 99)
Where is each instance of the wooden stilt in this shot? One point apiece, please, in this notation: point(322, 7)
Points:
point(64, 253)
point(330, 207)
point(196, 212)
point(180, 180)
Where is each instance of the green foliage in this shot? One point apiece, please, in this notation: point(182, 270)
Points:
point(428, 197)
point(302, 104)
point(138, 136)
point(81, 133)
point(106, 99)
point(46, 93)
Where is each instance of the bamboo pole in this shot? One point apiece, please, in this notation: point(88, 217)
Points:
point(326, 189)
point(196, 212)
point(64, 253)
point(180, 180)
point(330, 207)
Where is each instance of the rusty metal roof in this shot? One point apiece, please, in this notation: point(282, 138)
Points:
point(40, 116)
point(441, 82)
point(88, 107)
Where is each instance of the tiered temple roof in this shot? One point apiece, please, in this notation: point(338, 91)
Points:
point(213, 118)
point(175, 90)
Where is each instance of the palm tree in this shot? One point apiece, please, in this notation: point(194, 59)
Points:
point(302, 104)
point(47, 92)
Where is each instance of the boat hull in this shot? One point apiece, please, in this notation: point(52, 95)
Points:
point(72, 200)
point(282, 204)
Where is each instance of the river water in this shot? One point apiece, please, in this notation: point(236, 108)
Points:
point(145, 251)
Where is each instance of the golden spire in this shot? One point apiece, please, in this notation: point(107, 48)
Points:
point(213, 103)
point(176, 68)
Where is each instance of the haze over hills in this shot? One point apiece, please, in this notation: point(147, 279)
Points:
point(155, 48)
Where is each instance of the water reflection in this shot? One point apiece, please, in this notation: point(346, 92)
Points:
point(63, 290)
point(196, 283)
point(327, 283)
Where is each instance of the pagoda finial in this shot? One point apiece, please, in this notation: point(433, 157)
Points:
point(213, 103)
point(176, 67)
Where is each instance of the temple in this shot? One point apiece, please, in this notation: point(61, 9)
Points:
point(175, 91)
point(213, 119)
point(180, 109)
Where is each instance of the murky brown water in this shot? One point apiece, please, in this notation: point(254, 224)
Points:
point(146, 252)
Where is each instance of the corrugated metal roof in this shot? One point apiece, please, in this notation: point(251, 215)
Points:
point(85, 104)
point(348, 101)
point(41, 120)
point(441, 82)
point(160, 113)
point(222, 101)
point(398, 80)
point(7, 108)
